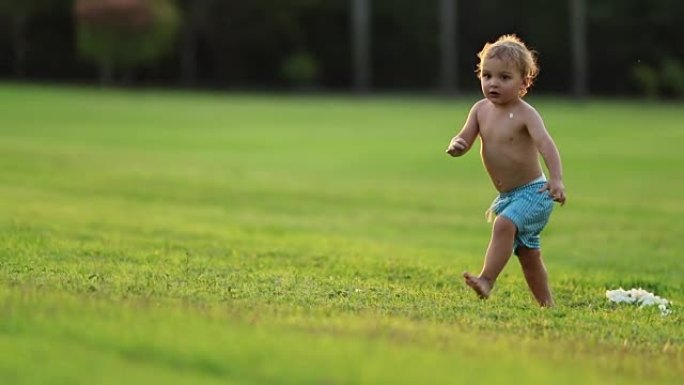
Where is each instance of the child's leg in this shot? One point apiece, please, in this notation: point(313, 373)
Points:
point(535, 275)
point(498, 252)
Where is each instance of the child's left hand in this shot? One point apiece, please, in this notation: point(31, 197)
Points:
point(557, 191)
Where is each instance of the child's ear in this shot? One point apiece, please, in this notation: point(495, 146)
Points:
point(525, 84)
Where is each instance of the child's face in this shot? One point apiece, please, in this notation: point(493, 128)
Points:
point(501, 80)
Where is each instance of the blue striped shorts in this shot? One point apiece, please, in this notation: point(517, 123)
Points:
point(528, 209)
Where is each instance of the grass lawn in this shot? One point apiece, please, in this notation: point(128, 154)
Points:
point(186, 238)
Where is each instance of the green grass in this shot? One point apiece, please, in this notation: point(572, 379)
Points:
point(167, 237)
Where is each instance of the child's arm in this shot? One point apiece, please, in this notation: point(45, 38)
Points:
point(548, 150)
point(461, 143)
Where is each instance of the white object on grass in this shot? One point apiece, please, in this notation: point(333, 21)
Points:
point(640, 297)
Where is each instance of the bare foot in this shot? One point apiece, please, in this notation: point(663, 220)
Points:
point(546, 303)
point(481, 286)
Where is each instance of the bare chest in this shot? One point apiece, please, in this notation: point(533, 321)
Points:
point(502, 128)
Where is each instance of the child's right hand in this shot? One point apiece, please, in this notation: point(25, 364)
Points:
point(457, 146)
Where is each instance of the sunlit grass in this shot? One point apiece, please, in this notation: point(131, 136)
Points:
point(195, 238)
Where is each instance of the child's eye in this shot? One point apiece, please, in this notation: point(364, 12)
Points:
point(505, 77)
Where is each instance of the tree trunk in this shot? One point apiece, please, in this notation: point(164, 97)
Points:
point(361, 44)
point(448, 42)
point(578, 25)
point(106, 74)
point(20, 44)
point(188, 54)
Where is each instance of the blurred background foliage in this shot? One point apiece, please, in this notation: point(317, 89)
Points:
point(121, 34)
point(633, 46)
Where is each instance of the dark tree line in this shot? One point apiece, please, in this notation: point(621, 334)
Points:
point(622, 47)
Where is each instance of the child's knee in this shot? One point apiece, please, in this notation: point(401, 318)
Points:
point(529, 258)
point(504, 226)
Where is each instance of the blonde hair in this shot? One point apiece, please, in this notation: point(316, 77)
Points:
point(511, 49)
